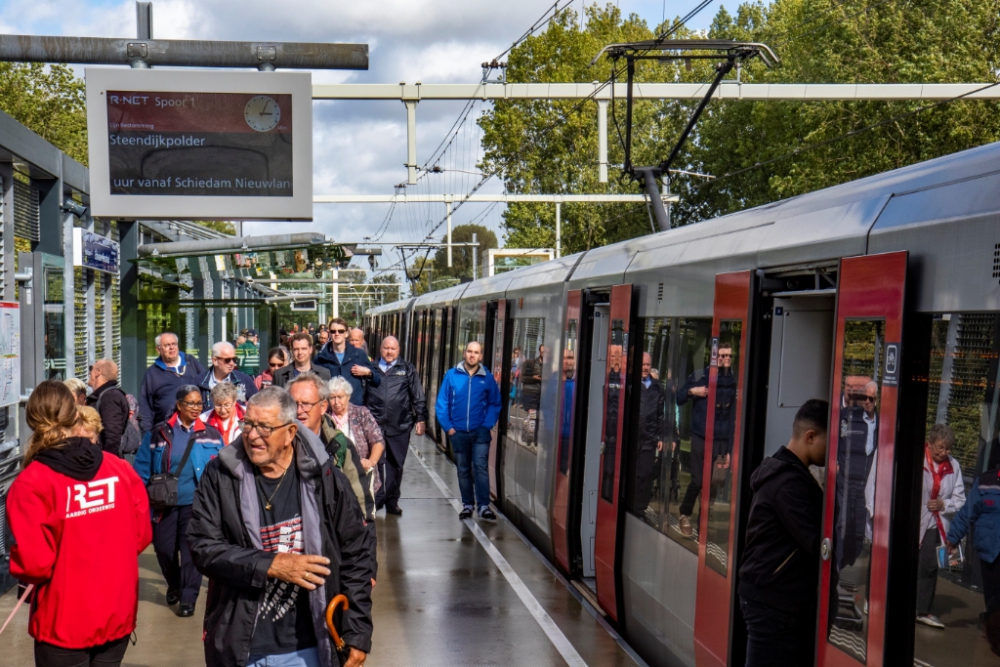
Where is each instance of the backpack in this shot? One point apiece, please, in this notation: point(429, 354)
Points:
point(132, 435)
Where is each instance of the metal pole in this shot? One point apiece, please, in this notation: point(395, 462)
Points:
point(336, 293)
point(475, 251)
point(602, 141)
point(144, 20)
point(411, 142)
point(448, 205)
point(558, 230)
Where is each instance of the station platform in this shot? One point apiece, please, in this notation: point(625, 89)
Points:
point(449, 592)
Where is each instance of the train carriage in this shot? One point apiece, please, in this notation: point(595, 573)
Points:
point(881, 296)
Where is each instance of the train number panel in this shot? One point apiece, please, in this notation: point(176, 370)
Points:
point(611, 452)
point(862, 434)
point(721, 460)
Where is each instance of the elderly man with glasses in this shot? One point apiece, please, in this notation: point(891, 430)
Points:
point(346, 361)
point(224, 370)
point(278, 530)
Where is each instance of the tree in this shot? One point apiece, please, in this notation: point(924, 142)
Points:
point(461, 256)
point(388, 290)
point(48, 100)
point(218, 225)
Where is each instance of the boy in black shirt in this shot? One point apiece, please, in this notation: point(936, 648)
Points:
point(779, 576)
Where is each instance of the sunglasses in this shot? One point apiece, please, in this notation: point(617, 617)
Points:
point(338, 331)
point(225, 360)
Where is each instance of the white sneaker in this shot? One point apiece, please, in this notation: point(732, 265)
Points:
point(930, 620)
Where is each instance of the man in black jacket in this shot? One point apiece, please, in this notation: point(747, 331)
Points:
point(110, 402)
point(779, 576)
point(651, 414)
point(278, 550)
point(396, 402)
point(695, 389)
point(302, 346)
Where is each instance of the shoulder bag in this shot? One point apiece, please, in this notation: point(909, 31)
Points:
point(162, 487)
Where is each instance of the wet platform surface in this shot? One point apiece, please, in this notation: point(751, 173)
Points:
point(449, 593)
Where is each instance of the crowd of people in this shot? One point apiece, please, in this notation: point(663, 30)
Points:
point(197, 467)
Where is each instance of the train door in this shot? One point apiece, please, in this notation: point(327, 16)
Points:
point(608, 509)
point(720, 465)
point(859, 474)
point(496, 315)
point(593, 441)
point(561, 513)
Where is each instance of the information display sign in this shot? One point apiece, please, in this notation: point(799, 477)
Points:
point(93, 251)
point(10, 353)
point(200, 145)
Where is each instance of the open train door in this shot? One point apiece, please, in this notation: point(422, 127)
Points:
point(498, 314)
point(564, 449)
point(859, 484)
point(606, 543)
point(720, 470)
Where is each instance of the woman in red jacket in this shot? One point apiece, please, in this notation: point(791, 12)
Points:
point(80, 519)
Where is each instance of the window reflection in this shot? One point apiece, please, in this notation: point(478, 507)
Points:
point(567, 408)
point(616, 376)
point(855, 486)
point(526, 381)
point(677, 348)
point(55, 323)
point(962, 396)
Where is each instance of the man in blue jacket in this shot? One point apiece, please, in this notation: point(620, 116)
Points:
point(157, 395)
point(347, 361)
point(468, 406)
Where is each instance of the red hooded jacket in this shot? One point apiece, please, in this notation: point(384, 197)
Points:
point(78, 541)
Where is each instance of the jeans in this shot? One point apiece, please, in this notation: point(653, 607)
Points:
point(472, 452)
point(778, 638)
point(307, 657)
point(105, 655)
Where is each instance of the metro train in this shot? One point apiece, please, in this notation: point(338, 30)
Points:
point(893, 280)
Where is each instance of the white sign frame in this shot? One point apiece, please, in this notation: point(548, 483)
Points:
point(103, 204)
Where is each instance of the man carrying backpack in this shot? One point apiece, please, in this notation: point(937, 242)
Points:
point(113, 406)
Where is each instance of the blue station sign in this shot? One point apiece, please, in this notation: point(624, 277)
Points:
point(96, 252)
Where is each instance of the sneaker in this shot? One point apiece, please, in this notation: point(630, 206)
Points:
point(930, 620)
point(685, 525)
point(487, 513)
point(466, 513)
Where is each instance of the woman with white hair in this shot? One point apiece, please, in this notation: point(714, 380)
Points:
point(226, 414)
point(358, 424)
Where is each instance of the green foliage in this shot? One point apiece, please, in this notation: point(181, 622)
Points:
point(48, 100)
point(551, 147)
point(218, 225)
point(391, 291)
point(461, 256)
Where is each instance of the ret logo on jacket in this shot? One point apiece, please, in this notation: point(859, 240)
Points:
point(95, 496)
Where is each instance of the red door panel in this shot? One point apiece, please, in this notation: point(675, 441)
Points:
point(611, 450)
point(856, 547)
point(719, 490)
point(564, 448)
point(498, 364)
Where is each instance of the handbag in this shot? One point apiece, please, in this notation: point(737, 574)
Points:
point(162, 487)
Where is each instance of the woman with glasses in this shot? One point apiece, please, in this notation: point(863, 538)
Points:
point(181, 446)
point(277, 358)
point(226, 415)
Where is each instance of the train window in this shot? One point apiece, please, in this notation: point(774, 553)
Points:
point(472, 328)
point(717, 552)
point(962, 396)
point(617, 363)
point(857, 446)
point(526, 368)
point(568, 398)
point(679, 352)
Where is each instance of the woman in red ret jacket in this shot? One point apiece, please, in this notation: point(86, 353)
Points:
point(80, 519)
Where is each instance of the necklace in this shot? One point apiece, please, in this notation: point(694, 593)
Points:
point(267, 501)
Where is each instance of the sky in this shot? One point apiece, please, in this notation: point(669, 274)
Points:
point(358, 147)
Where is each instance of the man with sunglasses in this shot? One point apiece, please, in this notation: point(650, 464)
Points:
point(278, 530)
point(346, 361)
point(224, 370)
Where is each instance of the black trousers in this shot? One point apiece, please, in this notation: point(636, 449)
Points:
point(777, 638)
point(396, 448)
point(697, 468)
point(927, 571)
point(991, 584)
point(105, 655)
point(645, 471)
point(174, 555)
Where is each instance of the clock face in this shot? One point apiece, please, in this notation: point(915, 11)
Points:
point(262, 113)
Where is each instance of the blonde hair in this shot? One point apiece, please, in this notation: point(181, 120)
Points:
point(51, 413)
point(76, 385)
point(90, 419)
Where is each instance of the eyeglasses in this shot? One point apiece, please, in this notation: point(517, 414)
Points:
point(192, 404)
point(337, 332)
point(725, 356)
point(264, 430)
point(227, 360)
point(302, 405)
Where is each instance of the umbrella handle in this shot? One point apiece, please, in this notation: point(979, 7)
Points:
point(337, 601)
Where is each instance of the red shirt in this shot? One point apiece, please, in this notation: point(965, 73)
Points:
point(79, 542)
